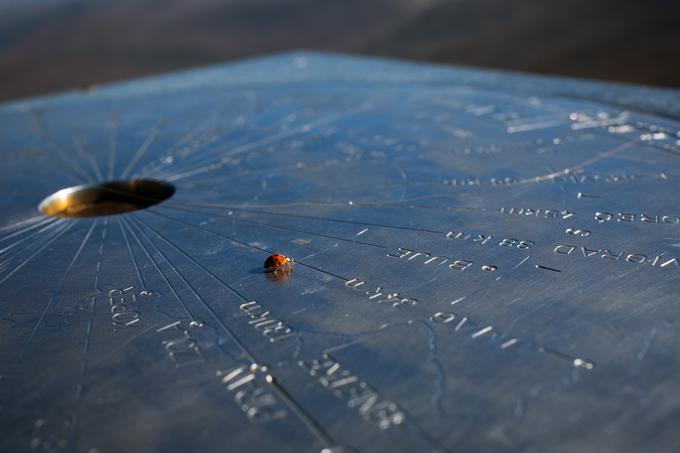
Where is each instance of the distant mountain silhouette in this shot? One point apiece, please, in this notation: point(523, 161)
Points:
point(48, 46)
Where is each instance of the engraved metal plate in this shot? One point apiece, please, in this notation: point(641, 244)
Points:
point(483, 262)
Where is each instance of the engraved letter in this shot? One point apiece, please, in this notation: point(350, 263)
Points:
point(565, 249)
point(460, 265)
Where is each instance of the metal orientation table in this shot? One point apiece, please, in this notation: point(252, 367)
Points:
point(483, 262)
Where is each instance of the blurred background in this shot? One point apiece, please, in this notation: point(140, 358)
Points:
point(50, 45)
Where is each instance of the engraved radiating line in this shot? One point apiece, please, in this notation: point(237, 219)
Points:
point(232, 239)
point(577, 362)
point(201, 129)
point(34, 254)
point(212, 136)
point(56, 291)
point(561, 114)
point(579, 166)
point(45, 228)
point(185, 254)
point(240, 382)
point(194, 132)
point(235, 169)
point(10, 256)
point(538, 266)
point(75, 168)
point(22, 223)
point(400, 203)
point(27, 228)
point(206, 139)
point(531, 126)
point(481, 332)
point(84, 151)
point(203, 163)
point(39, 126)
point(86, 342)
point(344, 345)
point(308, 421)
point(460, 299)
point(280, 227)
point(520, 263)
point(277, 227)
point(509, 343)
point(119, 346)
point(303, 416)
point(34, 245)
point(132, 255)
point(351, 204)
point(461, 323)
point(446, 98)
point(647, 345)
point(581, 363)
point(282, 214)
point(269, 140)
point(78, 171)
point(155, 264)
point(58, 169)
point(150, 138)
point(225, 159)
point(272, 378)
point(113, 144)
point(222, 324)
point(213, 275)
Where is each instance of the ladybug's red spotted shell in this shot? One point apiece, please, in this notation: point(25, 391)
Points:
point(278, 261)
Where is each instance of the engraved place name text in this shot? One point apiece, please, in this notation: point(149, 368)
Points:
point(357, 394)
point(624, 217)
point(262, 320)
point(540, 213)
point(660, 261)
point(490, 334)
point(180, 345)
point(380, 295)
point(123, 303)
point(442, 260)
point(252, 394)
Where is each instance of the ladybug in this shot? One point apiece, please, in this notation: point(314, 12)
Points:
point(278, 262)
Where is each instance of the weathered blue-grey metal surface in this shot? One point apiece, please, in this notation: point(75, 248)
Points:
point(484, 262)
